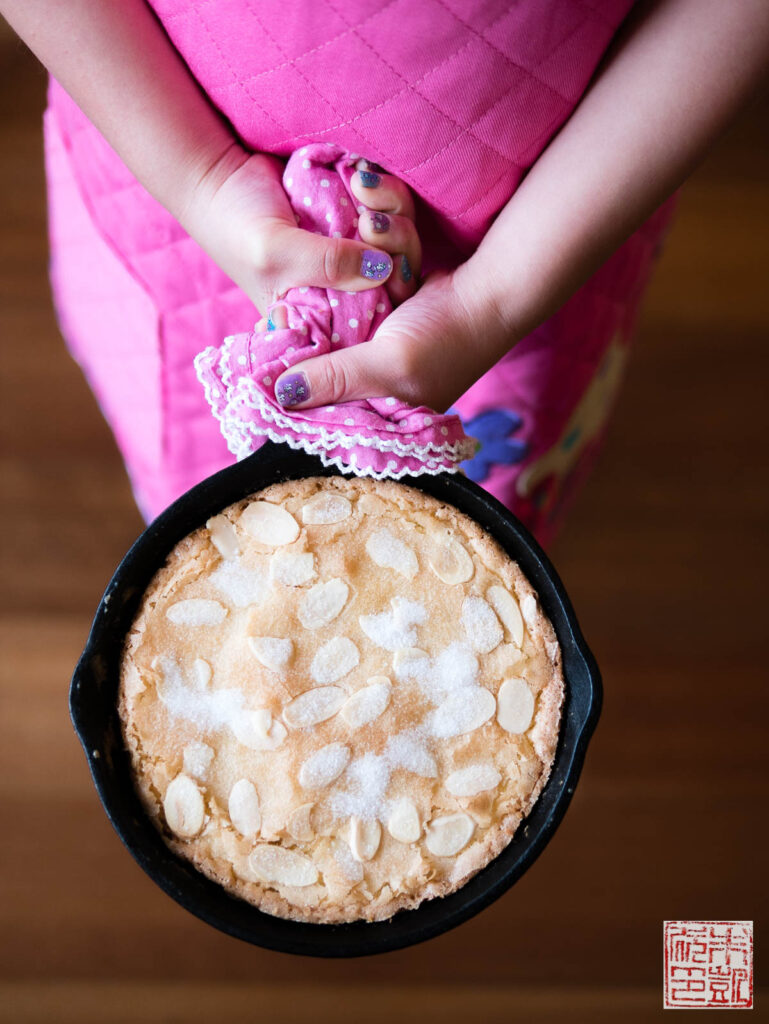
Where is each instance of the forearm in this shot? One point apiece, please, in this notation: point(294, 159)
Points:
point(118, 65)
point(672, 82)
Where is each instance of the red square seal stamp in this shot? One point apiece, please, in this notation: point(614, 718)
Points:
point(708, 965)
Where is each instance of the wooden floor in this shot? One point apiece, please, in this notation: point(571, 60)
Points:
point(666, 561)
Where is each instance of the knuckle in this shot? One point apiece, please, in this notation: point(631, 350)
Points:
point(265, 247)
point(395, 361)
point(333, 262)
point(405, 355)
point(335, 381)
point(411, 357)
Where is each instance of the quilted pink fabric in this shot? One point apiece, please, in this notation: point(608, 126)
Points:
point(458, 98)
point(379, 437)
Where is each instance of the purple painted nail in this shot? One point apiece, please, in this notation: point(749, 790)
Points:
point(406, 272)
point(369, 179)
point(292, 389)
point(380, 222)
point(376, 266)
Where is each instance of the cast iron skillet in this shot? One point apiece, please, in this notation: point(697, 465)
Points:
point(93, 706)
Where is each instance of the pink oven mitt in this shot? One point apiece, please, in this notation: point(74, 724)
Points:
point(379, 437)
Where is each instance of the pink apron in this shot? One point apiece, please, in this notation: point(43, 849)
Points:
point(456, 97)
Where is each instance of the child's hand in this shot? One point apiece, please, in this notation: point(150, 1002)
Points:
point(427, 352)
point(241, 216)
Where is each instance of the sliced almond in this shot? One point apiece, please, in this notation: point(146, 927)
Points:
point(276, 735)
point(274, 652)
point(367, 703)
point(390, 552)
point(322, 603)
point(325, 765)
point(292, 568)
point(407, 654)
point(170, 682)
point(476, 778)
point(509, 655)
point(201, 673)
point(464, 710)
point(299, 825)
point(261, 721)
point(506, 607)
point(197, 758)
point(257, 730)
point(196, 611)
point(314, 706)
point(447, 835)
point(223, 536)
point(515, 705)
point(280, 866)
point(324, 508)
point(450, 560)
point(403, 823)
point(334, 660)
point(269, 524)
point(365, 837)
point(243, 806)
point(481, 625)
point(529, 610)
point(183, 807)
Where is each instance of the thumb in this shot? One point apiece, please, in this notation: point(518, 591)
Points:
point(303, 258)
point(363, 371)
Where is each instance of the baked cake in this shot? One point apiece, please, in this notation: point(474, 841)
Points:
point(340, 698)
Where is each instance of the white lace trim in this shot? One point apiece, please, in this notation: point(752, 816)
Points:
point(248, 392)
point(316, 448)
point(238, 432)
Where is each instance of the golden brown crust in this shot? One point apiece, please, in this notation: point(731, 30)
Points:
point(164, 741)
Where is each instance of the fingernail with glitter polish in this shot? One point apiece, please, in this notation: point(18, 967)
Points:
point(292, 389)
point(380, 222)
point(376, 266)
point(406, 273)
point(270, 324)
point(369, 179)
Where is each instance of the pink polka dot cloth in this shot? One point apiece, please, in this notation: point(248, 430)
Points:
point(379, 437)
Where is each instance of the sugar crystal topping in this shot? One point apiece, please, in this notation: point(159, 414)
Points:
point(207, 710)
point(241, 585)
point(369, 775)
point(396, 627)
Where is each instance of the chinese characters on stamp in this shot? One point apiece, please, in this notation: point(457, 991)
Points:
point(708, 964)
